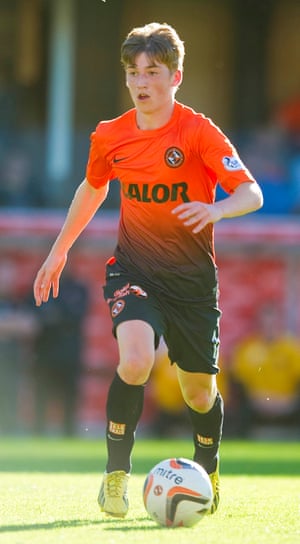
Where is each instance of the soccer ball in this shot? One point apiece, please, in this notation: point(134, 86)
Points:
point(177, 493)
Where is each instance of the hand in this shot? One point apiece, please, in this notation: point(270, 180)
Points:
point(48, 277)
point(198, 214)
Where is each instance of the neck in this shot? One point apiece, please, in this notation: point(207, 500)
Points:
point(154, 120)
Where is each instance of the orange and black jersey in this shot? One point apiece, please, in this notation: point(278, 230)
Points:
point(159, 169)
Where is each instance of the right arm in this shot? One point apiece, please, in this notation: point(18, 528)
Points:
point(84, 205)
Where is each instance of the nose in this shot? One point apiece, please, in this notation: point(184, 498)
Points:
point(141, 80)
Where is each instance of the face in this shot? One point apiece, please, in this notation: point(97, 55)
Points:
point(151, 85)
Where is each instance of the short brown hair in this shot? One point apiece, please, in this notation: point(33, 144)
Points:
point(159, 41)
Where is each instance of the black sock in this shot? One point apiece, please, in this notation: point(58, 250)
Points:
point(123, 410)
point(207, 432)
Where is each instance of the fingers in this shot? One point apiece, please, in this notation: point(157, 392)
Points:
point(55, 288)
point(190, 211)
point(182, 210)
point(42, 288)
point(48, 278)
point(193, 213)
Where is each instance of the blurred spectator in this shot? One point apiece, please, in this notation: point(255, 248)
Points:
point(265, 370)
point(58, 355)
point(265, 150)
point(288, 118)
point(16, 328)
point(171, 418)
point(272, 153)
point(224, 386)
point(10, 102)
point(18, 188)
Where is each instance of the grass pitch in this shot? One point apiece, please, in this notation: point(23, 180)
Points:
point(48, 494)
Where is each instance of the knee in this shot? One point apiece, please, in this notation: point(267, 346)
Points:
point(135, 368)
point(200, 399)
point(199, 390)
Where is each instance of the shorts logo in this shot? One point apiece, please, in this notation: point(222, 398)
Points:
point(117, 428)
point(232, 164)
point(125, 291)
point(138, 291)
point(174, 157)
point(117, 308)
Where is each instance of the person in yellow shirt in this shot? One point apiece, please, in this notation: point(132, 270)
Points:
point(265, 372)
point(171, 417)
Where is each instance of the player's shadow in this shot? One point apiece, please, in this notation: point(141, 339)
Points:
point(134, 524)
point(107, 524)
point(57, 524)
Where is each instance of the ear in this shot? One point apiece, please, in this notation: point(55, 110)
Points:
point(177, 78)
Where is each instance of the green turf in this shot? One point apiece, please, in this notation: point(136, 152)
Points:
point(48, 491)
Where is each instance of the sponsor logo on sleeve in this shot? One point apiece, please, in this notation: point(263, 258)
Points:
point(232, 164)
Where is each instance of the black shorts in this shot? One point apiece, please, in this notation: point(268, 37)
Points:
point(190, 329)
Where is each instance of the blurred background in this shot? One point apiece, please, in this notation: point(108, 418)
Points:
point(60, 74)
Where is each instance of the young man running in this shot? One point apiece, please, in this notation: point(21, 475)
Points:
point(162, 279)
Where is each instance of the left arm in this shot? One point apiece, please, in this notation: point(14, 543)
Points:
point(246, 198)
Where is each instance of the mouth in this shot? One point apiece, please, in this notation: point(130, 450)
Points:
point(142, 97)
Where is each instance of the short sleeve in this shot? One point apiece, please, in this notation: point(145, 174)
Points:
point(220, 156)
point(98, 170)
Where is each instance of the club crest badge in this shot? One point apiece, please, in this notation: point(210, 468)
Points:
point(117, 308)
point(174, 157)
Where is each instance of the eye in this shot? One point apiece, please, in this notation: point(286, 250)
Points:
point(132, 72)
